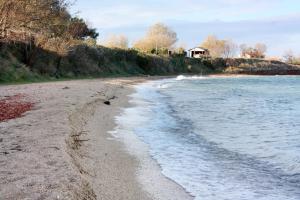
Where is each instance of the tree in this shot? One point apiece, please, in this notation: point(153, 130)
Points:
point(27, 20)
point(289, 56)
point(261, 50)
point(230, 49)
point(117, 41)
point(24, 19)
point(61, 47)
point(78, 29)
point(214, 45)
point(91, 42)
point(21, 20)
point(219, 48)
point(144, 45)
point(45, 24)
point(159, 38)
point(243, 50)
point(253, 52)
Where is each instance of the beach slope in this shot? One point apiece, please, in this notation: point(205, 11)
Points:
point(62, 148)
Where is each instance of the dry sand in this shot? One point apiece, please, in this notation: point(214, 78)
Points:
point(62, 149)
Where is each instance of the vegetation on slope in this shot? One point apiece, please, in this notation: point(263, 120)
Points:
point(87, 61)
point(260, 67)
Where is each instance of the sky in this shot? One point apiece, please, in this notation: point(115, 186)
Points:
point(273, 22)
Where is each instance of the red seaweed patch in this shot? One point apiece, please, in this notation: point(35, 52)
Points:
point(13, 107)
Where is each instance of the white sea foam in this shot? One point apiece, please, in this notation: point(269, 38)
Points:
point(163, 85)
point(128, 124)
point(182, 77)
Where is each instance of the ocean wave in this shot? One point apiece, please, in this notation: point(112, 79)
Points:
point(181, 77)
point(163, 86)
point(218, 150)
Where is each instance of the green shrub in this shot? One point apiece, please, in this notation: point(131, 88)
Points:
point(12, 71)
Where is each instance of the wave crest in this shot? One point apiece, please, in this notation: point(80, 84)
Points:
point(181, 77)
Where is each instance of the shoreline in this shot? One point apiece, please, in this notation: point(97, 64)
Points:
point(65, 150)
point(150, 173)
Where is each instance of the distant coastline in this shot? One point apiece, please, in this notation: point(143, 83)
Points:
point(97, 62)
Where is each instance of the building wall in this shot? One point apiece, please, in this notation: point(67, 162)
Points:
point(205, 53)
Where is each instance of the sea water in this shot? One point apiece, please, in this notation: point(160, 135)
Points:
point(233, 138)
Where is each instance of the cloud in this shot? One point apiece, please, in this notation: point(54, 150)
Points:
point(279, 34)
point(108, 14)
point(274, 22)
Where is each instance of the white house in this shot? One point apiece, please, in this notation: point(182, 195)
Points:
point(198, 52)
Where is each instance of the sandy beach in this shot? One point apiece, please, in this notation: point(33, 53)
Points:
point(63, 149)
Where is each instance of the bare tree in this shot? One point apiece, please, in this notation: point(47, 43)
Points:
point(159, 37)
point(289, 56)
point(144, 45)
point(253, 52)
point(261, 49)
point(117, 41)
point(24, 19)
point(214, 45)
point(61, 46)
point(219, 48)
point(162, 36)
point(33, 22)
point(243, 50)
point(230, 49)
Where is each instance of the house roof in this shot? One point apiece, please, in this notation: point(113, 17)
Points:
point(198, 49)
